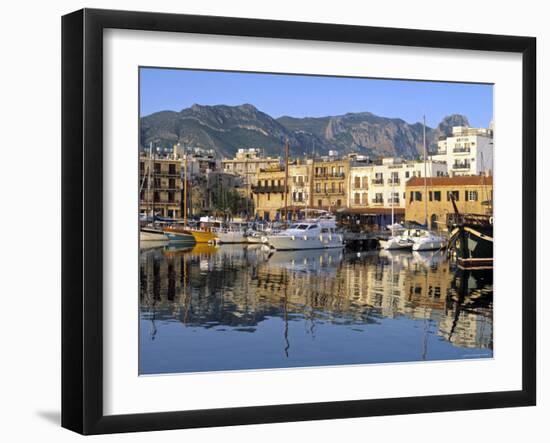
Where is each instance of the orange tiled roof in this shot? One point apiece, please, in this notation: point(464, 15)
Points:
point(463, 180)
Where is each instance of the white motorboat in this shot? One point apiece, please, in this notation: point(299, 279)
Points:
point(313, 234)
point(234, 233)
point(398, 239)
point(425, 240)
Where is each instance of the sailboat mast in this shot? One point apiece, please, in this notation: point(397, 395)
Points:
point(149, 180)
point(425, 172)
point(185, 188)
point(286, 182)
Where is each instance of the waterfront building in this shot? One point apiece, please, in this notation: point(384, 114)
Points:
point(299, 172)
point(382, 184)
point(162, 196)
point(330, 183)
point(247, 163)
point(472, 194)
point(200, 161)
point(269, 192)
point(467, 151)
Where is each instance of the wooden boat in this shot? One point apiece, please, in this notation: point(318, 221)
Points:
point(179, 234)
point(471, 240)
point(201, 236)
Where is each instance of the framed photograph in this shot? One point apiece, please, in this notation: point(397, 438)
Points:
point(269, 221)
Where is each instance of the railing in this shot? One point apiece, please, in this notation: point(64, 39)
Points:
point(378, 201)
point(461, 166)
point(360, 187)
point(377, 181)
point(331, 175)
point(266, 189)
point(329, 192)
point(461, 150)
point(394, 181)
point(394, 200)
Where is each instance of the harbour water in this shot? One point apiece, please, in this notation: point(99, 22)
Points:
point(238, 307)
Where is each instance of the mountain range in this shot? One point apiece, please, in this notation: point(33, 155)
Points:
point(228, 128)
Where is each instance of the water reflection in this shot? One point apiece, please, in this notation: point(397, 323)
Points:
point(238, 307)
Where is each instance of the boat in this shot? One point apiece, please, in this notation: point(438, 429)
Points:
point(314, 234)
point(233, 233)
point(471, 240)
point(397, 240)
point(179, 233)
point(151, 233)
point(425, 240)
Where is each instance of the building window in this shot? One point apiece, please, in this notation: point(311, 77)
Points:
point(357, 182)
point(407, 174)
point(437, 196)
point(319, 203)
point(333, 187)
point(411, 199)
point(317, 187)
point(430, 195)
point(455, 194)
point(418, 196)
point(172, 169)
point(470, 196)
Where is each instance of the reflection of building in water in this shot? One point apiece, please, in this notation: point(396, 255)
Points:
point(240, 287)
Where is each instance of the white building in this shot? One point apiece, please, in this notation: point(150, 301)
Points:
point(468, 151)
point(383, 184)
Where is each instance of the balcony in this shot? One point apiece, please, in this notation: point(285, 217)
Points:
point(461, 150)
point(377, 201)
point(461, 166)
point(331, 175)
point(268, 189)
point(360, 187)
point(377, 181)
point(394, 181)
point(393, 201)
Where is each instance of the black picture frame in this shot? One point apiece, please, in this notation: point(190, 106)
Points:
point(82, 218)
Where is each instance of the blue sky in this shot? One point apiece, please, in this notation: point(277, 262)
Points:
point(313, 96)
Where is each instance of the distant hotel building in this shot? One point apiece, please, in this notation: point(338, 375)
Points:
point(467, 151)
point(247, 163)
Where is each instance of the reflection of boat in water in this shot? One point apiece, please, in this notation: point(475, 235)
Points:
point(152, 244)
point(176, 249)
point(306, 260)
point(318, 234)
point(428, 241)
point(429, 258)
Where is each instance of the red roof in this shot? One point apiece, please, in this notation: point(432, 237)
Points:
point(462, 180)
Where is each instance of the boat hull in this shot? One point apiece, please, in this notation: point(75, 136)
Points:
point(473, 246)
point(394, 244)
point(294, 243)
point(202, 236)
point(429, 245)
point(151, 235)
point(231, 237)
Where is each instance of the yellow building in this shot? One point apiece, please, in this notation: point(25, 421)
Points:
point(330, 184)
point(161, 196)
point(473, 194)
point(299, 184)
point(269, 192)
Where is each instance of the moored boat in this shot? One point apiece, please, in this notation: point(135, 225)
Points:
point(179, 234)
point(151, 233)
point(471, 240)
point(316, 234)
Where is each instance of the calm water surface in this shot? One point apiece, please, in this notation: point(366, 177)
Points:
point(239, 307)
